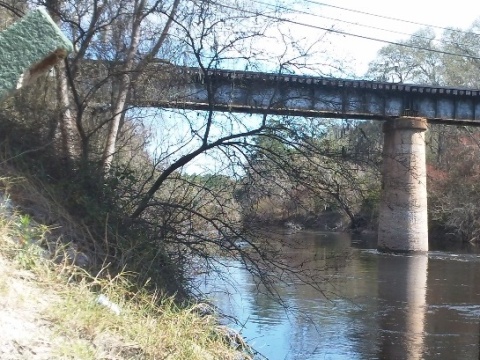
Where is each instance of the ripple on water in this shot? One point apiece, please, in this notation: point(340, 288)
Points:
point(439, 255)
point(434, 255)
point(376, 303)
point(467, 310)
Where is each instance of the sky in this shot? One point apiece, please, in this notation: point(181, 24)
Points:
point(354, 52)
point(358, 52)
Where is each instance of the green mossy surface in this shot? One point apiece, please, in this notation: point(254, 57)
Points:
point(25, 43)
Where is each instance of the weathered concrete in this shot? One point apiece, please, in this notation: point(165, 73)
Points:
point(28, 48)
point(403, 224)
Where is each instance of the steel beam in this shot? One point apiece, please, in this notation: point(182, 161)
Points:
point(263, 93)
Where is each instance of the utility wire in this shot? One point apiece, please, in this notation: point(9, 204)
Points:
point(345, 33)
point(388, 17)
point(359, 24)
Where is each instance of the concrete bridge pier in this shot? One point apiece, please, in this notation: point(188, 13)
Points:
point(403, 222)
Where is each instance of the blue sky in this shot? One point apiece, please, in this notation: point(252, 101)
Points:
point(352, 53)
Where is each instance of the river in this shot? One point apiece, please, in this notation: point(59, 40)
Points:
point(377, 306)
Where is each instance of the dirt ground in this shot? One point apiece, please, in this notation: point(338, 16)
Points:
point(24, 331)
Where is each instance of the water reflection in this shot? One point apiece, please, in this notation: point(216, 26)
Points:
point(402, 290)
point(379, 306)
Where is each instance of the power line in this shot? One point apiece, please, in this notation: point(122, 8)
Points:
point(345, 33)
point(388, 17)
point(358, 24)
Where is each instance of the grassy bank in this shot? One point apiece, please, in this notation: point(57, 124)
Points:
point(71, 314)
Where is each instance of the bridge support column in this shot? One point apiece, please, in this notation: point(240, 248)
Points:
point(403, 222)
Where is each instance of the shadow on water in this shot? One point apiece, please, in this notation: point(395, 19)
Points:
point(379, 306)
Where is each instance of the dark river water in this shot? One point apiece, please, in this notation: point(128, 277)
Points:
point(378, 306)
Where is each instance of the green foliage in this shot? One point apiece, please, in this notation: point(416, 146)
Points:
point(370, 207)
point(414, 63)
point(27, 238)
point(422, 60)
point(210, 181)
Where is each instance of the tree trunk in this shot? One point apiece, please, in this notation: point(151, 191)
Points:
point(119, 105)
point(124, 86)
point(110, 145)
point(66, 122)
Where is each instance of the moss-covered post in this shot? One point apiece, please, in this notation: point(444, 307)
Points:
point(29, 48)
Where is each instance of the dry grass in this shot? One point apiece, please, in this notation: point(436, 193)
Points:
point(75, 325)
point(146, 327)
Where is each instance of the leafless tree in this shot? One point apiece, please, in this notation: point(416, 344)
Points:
point(126, 48)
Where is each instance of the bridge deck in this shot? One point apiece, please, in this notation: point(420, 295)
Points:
point(171, 86)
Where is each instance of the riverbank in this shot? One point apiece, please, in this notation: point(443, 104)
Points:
point(336, 221)
point(53, 309)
